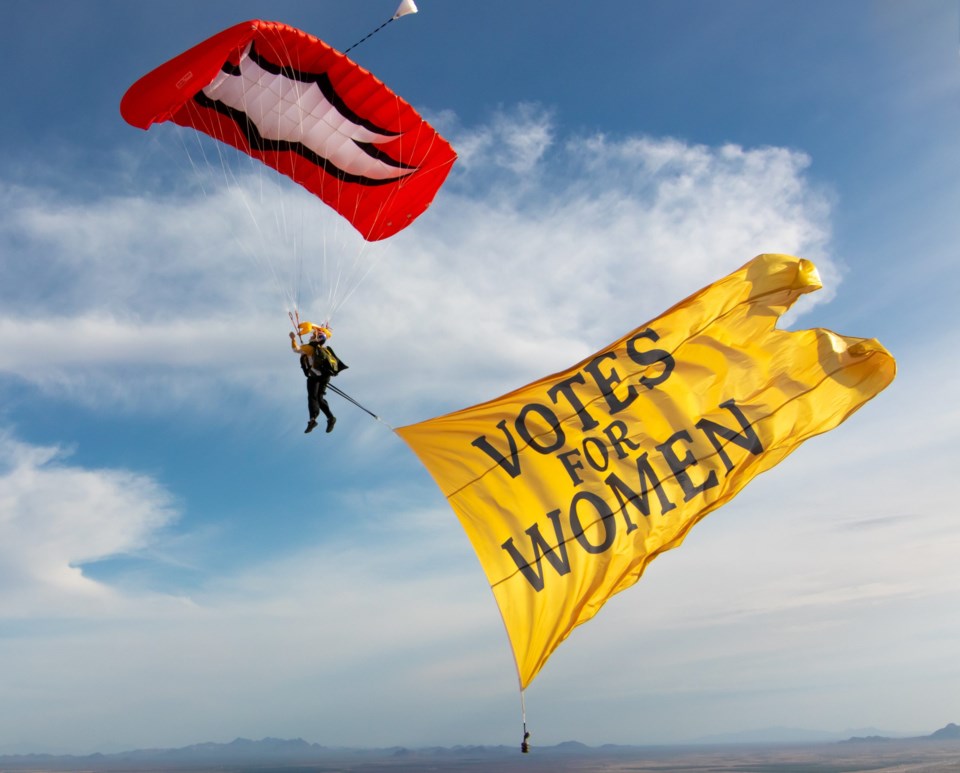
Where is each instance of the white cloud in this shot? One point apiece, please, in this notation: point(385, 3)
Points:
point(515, 141)
point(55, 517)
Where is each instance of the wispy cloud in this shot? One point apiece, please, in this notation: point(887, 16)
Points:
point(55, 516)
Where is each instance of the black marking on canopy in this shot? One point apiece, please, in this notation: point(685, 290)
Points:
point(374, 152)
point(322, 82)
point(262, 144)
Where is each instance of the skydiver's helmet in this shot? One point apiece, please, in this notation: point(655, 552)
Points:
point(322, 332)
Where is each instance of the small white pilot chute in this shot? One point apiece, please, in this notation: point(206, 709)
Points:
point(405, 7)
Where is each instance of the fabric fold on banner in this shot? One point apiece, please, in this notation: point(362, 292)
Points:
point(568, 487)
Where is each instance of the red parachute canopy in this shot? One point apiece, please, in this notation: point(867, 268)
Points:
point(306, 110)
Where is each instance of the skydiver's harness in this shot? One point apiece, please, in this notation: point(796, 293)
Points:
point(323, 363)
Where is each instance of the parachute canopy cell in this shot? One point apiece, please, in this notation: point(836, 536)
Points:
point(306, 110)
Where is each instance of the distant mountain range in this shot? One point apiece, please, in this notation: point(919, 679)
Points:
point(781, 735)
point(950, 732)
point(288, 752)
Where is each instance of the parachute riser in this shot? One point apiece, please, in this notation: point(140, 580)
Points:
point(295, 321)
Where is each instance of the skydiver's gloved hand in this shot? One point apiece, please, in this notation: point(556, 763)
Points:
point(292, 335)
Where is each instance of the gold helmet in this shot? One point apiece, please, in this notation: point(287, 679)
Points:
point(322, 331)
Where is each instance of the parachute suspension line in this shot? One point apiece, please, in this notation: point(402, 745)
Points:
point(354, 271)
point(203, 162)
point(296, 233)
point(231, 163)
point(300, 276)
point(355, 279)
point(524, 744)
point(290, 232)
point(332, 279)
point(278, 244)
point(405, 7)
point(344, 265)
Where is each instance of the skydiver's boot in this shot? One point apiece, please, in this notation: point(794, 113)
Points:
point(330, 422)
point(310, 425)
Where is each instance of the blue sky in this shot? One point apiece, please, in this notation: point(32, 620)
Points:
point(179, 563)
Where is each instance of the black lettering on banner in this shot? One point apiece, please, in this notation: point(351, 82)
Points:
point(680, 466)
point(748, 440)
point(651, 357)
point(558, 558)
point(647, 481)
point(606, 383)
point(606, 519)
point(617, 433)
point(565, 388)
point(675, 462)
point(532, 438)
point(571, 463)
point(511, 467)
point(599, 460)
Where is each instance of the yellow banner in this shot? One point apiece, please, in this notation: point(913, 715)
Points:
point(570, 486)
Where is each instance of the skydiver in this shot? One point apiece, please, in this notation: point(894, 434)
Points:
point(318, 363)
